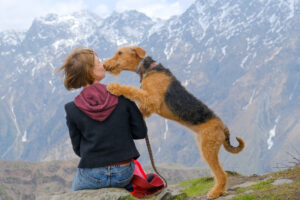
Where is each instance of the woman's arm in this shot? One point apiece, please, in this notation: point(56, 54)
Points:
point(75, 134)
point(137, 123)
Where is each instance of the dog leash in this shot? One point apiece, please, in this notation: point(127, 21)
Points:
point(152, 159)
point(147, 138)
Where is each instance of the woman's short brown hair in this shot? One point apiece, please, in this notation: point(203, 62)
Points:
point(78, 68)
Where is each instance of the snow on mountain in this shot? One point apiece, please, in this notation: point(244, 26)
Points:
point(126, 28)
point(272, 134)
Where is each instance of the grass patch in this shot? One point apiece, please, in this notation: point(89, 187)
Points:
point(265, 190)
point(232, 173)
point(128, 198)
point(263, 185)
point(286, 191)
point(265, 196)
point(180, 197)
point(292, 173)
point(246, 197)
point(197, 187)
point(256, 197)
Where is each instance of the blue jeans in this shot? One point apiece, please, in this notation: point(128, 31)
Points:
point(103, 177)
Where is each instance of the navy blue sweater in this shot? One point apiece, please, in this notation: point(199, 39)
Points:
point(103, 143)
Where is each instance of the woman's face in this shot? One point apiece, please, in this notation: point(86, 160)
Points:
point(99, 71)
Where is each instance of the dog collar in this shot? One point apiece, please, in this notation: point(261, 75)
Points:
point(140, 65)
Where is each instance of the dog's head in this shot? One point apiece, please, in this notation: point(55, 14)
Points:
point(126, 58)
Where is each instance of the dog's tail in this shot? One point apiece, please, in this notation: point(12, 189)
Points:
point(231, 148)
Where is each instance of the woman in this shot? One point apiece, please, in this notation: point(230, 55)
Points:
point(101, 126)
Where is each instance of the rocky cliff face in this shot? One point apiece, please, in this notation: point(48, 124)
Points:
point(240, 58)
point(42, 180)
point(52, 181)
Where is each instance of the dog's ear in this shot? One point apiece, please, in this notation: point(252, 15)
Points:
point(139, 51)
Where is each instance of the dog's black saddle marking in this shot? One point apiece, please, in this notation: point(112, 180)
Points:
point(184, 105)
point(181, 103)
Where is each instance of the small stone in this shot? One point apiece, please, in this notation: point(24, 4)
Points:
point(103, 194)
point(243, 185)
point(169, 193)
point(282, 181)
point(228, 197)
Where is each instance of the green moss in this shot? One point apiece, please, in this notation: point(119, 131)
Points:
point(232, 173)
point(128, 198)
point(292, 173)
point(246, 197)
point(263, 185)
point(287, 191)
point(265, 190)
point(180, 197)
point(266, 196)
point(197, 187)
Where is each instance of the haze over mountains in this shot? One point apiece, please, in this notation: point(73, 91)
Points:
point(241, 58)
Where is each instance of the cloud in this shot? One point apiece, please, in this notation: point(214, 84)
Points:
point(102, 10)
point(154, 8)
point(20, 14)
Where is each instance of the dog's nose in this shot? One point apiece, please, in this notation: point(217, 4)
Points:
point(105, 68)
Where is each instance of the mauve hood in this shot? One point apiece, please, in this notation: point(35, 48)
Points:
point(96, 101)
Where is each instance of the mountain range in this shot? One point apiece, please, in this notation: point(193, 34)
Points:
point(242, 58)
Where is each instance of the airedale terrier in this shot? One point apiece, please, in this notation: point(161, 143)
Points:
point(163, 94)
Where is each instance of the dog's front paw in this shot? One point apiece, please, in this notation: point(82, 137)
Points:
point(215, 193)
point(114, 88)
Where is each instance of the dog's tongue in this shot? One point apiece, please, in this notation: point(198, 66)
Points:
point(96, 101)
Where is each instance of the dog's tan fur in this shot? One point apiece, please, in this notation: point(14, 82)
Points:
point(154, 85)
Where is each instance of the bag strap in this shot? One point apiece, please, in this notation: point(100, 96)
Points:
point(152, 159)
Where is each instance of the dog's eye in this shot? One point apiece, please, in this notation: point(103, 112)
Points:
point(120, 52)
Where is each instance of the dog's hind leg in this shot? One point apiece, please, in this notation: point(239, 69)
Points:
point(209, 142)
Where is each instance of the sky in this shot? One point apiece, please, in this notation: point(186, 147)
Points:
point(19, 14)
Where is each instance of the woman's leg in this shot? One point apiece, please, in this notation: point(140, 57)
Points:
point(121, 176)
point(90, 178)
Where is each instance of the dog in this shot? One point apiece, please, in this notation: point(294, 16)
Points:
point(162, 93)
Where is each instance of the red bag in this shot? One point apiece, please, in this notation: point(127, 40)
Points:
point(144, 185)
